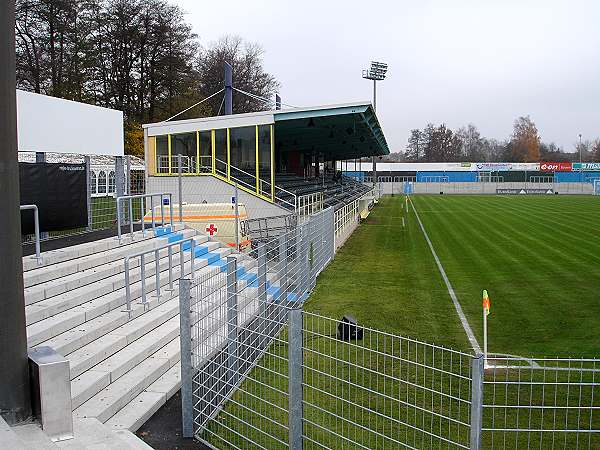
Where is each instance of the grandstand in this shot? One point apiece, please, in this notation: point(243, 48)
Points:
point(277, 158)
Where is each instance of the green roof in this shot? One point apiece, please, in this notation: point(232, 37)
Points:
point(339, 131)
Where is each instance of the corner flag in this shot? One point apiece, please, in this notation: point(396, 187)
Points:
point(486, 303)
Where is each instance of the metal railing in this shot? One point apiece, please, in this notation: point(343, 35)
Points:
point(36, 225)
point(142, 198)
point(309, 204)
point(266, 228)
point(264, 186)
point(157, 269)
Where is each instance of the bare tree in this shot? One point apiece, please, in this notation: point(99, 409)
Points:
point(248, 74)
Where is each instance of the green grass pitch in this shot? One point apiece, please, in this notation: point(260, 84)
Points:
point(538, 256)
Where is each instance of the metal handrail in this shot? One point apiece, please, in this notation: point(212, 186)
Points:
point(130, 198)
point(156, 252)
point(36, 225)
point(248, 186)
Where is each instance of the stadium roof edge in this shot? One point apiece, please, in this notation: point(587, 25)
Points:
point(341, 131)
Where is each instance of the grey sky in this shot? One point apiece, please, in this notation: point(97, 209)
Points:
point(484, 62)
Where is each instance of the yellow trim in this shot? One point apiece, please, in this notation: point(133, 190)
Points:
point(228, 157)
point(243, 188)
point(151, 155)
point(272, 166)
point(257, 163)
point(197, 152)
point(169, 147)
point(212, 141)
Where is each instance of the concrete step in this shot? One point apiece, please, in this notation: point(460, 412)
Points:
point(78, 251)
point(141, 408)
point(9, 439)
point(117, 395)
point(52, 271)
point(91, 434)
point(112, 298)
point(63, 281)
point(52, 306)
point(112, 368)
point(34, 438)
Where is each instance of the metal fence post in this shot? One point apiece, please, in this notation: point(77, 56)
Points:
point(237, 220)
point(262, 278)
point(295, 409)
point(120, 183)
point(180, 186)
point(232, 322)
point(283, 266)
point(477, 374)
point(88, 195)
point(185, 337)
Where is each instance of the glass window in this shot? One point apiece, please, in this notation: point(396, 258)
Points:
point(183, 144)
point(162, 154)
point(221, 151)
point(93, 183)
point(205, 152)
point(242, 151)
point(102, 182)
point(112, 182)
point(264, 159)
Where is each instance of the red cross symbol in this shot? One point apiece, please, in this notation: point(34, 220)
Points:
point(211, 229)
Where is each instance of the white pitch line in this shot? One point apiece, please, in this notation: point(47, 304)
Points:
point(453, 296)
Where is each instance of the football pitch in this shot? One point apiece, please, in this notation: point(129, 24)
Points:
point(538, 257)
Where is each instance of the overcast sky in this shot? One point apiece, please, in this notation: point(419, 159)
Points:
point(484, 62)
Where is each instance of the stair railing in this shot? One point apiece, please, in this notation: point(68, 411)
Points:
point(142, 258)
point(128, 199)
point(36, 227)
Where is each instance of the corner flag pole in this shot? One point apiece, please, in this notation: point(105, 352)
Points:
point(486, 312)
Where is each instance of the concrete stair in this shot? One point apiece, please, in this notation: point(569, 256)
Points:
point(89, 434)
point(123, 366)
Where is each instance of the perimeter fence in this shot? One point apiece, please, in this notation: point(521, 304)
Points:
point(259, 372)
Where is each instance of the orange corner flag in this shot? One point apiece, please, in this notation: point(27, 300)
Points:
point(486, 302)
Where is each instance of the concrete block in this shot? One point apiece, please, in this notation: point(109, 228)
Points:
point(90, 434)
point(9, 438)
point(133, 415)
point(169, 383)
point(134, 442)
point(170, 352)
point(134, 353)
point(34, 438)
point(53, 326)
point(95, 352)
point(109, 401)
point(87, 385)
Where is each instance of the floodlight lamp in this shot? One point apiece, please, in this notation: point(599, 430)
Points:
point(376, 72)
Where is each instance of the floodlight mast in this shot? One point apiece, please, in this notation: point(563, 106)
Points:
point(376, 72)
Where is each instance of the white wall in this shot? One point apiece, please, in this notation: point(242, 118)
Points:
point(50, 124)
point(212, 190)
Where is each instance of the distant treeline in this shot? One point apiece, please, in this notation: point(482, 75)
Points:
point(441, 144)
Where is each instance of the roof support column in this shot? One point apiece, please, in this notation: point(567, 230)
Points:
point(228, 89)
point(15, 402)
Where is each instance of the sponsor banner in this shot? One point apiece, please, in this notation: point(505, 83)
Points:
point(508, 191)
point(497, 167)
point(555, 166)
point(586, 166)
